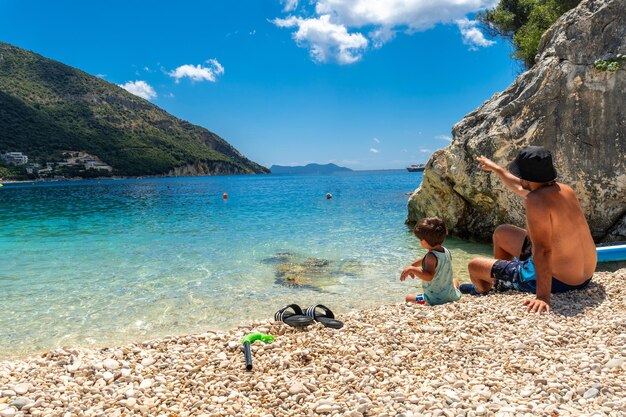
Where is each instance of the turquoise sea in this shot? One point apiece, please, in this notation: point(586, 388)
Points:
point(93, 263)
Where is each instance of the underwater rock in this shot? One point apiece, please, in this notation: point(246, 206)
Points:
point(293, 270)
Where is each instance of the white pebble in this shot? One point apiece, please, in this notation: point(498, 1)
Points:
point(590, 393)
point(148, 361)
point(296, 388)
point(111, 364)
point(615, 363)
point(8, 412)
point(324, 409)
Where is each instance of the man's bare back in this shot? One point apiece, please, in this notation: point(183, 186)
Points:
point(573, 253)
point(563, 254)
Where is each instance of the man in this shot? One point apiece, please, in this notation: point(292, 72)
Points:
point(557, 236)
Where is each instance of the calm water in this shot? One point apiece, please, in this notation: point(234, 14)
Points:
point(107, 262)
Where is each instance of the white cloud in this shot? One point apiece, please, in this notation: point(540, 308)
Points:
point(199, 72)
point(381, 36)
point(374, 150)
point(326, 40)
point(382, 19)
point(103, 76)
point(472, 36)
point(376, 140)
point(424, 150)
point(414, 15)
point(289, 5)
point(444, 137)
point(140, 88)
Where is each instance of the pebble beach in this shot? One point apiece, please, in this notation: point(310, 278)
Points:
point(481, 356)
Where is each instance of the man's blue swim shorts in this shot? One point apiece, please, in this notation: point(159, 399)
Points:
point(520, 276)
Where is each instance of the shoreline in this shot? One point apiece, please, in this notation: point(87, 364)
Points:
point(64, 179)
point(478, 356)
point(184, 176)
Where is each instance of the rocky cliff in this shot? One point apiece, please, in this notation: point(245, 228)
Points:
point(206, 168)
point(565, 103)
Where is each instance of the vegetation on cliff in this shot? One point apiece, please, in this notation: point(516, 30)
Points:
point(524, 22)
point(47, 107)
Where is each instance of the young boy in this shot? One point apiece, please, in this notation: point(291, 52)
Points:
point(435, 268)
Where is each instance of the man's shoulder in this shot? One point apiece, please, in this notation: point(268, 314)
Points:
point(565, 187)
point(543, 195)
point(538, 197)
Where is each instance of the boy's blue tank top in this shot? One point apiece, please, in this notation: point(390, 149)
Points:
point(441, 289)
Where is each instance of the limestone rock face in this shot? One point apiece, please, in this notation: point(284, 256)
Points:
point(204, 168)
point(562, 103)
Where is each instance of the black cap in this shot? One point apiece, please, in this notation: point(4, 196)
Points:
point(533, 163)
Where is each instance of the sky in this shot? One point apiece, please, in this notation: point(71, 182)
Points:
point(366, 84)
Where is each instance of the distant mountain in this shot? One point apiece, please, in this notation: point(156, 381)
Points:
point(308, 169)
point(47, 107)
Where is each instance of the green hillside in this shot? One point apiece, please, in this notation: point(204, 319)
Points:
point(47, 107)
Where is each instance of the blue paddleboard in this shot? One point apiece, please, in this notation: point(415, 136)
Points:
point(612, 253)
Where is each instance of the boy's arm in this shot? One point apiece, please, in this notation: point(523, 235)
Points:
point(418, 262)
point(509, 180)
point(424, 272)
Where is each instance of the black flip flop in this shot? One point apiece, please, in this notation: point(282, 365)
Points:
point(293, 318)
point(327, 318)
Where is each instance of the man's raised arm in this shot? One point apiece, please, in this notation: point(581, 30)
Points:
point(510, 181)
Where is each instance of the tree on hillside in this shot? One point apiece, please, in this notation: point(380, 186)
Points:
point(523, 22)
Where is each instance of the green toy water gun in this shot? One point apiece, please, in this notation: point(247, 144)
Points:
point(249, 339)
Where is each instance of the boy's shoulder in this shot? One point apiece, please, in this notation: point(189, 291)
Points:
point(443, 250)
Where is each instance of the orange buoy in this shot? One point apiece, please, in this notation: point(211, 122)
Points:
point(225, 196)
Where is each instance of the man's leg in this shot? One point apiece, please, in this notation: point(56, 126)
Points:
point(480, 273)
point(508, 241)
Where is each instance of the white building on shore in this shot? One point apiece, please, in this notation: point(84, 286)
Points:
point(14, 158)
point(32, 168)
point(92, 163)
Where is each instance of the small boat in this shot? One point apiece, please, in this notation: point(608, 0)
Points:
point(416, 168)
